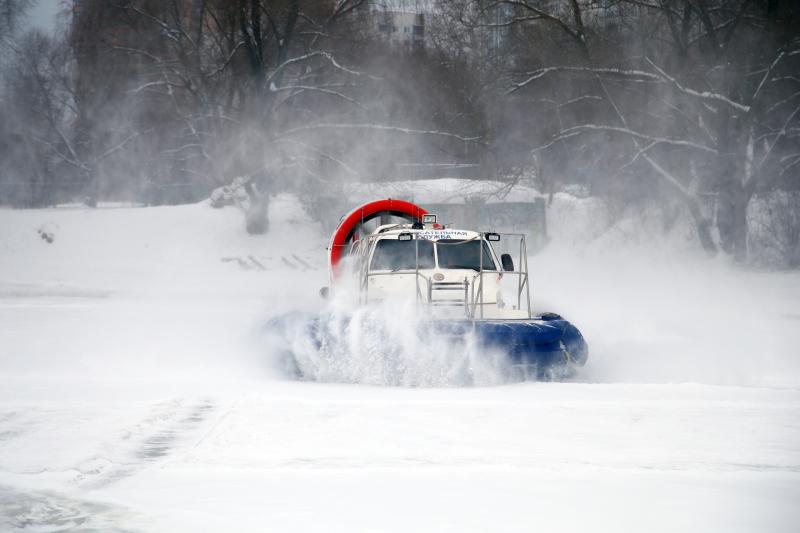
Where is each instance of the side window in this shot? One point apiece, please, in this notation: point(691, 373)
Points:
point(392, 254)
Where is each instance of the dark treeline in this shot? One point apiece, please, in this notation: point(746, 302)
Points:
point(691, 105)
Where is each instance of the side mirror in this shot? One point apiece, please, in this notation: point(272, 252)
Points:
point(324, 292)
point(508, 263)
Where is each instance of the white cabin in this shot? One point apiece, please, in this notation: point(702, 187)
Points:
point(452, 272)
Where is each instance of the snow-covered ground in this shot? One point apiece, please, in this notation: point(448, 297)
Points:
point(136, 393)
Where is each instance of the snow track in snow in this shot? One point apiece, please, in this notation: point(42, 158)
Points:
point(168, 427)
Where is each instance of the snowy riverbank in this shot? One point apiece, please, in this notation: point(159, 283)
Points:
point(134, 394)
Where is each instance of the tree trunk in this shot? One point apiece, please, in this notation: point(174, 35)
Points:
point(257, 214)
point(703, 226)
point(732, 219)
point(734, 185)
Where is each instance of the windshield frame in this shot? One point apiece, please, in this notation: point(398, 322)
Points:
point(487, 247)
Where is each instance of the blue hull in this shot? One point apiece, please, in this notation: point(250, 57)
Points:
point(543, 347)
point(546, 346)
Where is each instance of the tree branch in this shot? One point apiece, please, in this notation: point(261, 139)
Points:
point(381, 127)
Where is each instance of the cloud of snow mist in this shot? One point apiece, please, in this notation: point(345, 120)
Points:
point(659, 315)
point(652, 311)
point(144, 293)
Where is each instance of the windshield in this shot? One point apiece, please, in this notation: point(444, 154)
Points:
point(463, 254)
point(392, 254)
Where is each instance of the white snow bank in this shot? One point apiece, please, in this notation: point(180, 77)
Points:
point(147, 290)
point(133, 398)
point(162, 248)
point(144, 289)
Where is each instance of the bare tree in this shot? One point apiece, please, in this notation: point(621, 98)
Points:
point(37, 114)
point(693, 93)
point(254, 88)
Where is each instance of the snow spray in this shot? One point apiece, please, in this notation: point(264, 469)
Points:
point(387, 343)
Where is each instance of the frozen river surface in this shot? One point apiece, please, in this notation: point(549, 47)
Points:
point(135, 395)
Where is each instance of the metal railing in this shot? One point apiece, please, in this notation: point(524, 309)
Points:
point(473, 289)
point(523, 284)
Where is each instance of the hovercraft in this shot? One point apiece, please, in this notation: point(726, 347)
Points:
point(466, 284)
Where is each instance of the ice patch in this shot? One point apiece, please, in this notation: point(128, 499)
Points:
point(51, 511)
